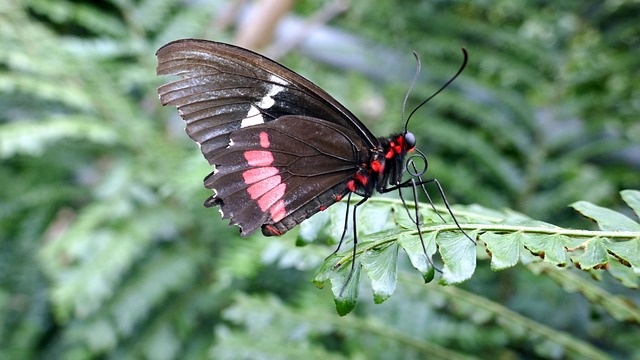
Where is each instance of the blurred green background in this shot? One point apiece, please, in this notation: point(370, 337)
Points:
point(107, 252)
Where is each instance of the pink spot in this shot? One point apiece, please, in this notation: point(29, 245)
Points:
point(258, 157)
point(272, 196)
point(256, 174)
point(260, 188)
point(277, 211)
point(264, 140)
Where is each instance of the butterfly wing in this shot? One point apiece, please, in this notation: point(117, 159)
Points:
point(275, 176)
point(225, 88)
point(283, 148)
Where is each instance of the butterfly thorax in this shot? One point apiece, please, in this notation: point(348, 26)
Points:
point(385, 165)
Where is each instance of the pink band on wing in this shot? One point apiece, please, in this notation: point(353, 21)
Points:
point(258, 157)
point(260, 188)
point(257, 174)
point(277, 211)
point(271, 197)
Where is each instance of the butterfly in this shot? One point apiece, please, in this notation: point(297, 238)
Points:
point(283, 148)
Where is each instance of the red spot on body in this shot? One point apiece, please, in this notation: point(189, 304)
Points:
point(339, 197)
point(376, 166)
point(258, 157)
point(271, 197)
point(351, 185)
point(257, 174)
point(264, 140)
point(389, 155)
point(323, 208)
point(260, 188)
point(277, 211)
point(362, 178)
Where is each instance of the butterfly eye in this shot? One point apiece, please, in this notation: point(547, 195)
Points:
point(410, 139)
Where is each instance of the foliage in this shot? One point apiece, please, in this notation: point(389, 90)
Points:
point(108, 253)
point(508, 238)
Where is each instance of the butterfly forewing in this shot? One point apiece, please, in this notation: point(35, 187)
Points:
point(224, 88)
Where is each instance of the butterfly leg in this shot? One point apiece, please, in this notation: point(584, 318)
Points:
point(344, 230)
point(413, 183)
point(355, 243)
point(446, 204)
point(416, 220)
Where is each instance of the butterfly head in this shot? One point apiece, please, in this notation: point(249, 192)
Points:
point(410, 141)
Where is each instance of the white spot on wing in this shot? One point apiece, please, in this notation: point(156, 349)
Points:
point(266, 101)
point(254, 117)
point(278, 80)
point(274, 89)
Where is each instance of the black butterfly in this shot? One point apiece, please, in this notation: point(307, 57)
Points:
point(283, 148)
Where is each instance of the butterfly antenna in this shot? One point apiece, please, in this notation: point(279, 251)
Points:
point(464, 64)
point(413, 83)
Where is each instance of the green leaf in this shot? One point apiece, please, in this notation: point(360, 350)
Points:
point(345, 289)
point(401, 217)
point(629, 251)
point(458, 254)
point(374, 217)
point(594, 254)
point(412, 245)
point(608, 220)
point(345, 296)
point(504, 249)
point(549, 247)
point(381, 266)
point(624, 274)
point(632, 198)
point(326, 270)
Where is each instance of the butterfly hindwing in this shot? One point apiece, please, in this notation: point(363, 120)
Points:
point(281, 172)
point(225, 88)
